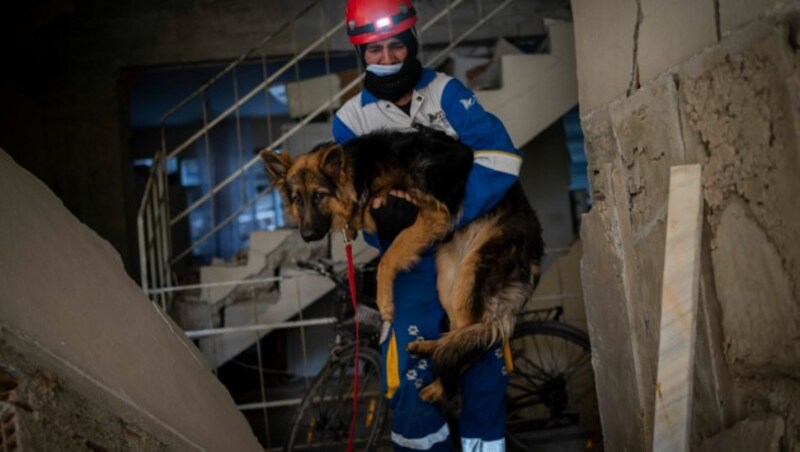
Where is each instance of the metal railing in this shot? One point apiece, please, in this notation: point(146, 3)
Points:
point(156, 220)
point(209, 338)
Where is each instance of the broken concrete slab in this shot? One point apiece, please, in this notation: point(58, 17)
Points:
point(760, 317)
point(742, 117)
point(717, 402)
point(45, 412)
point(601, 150)
point(738, 114)
point(648, 131)
point(752, 435)
point(607, 307)
point(66, 301)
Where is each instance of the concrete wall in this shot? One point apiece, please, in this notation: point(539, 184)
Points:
point(716, 83)
point(97, 364)
point(544, 177)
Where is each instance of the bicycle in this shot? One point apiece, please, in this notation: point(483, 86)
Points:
point(322, 420)
point(549, 384)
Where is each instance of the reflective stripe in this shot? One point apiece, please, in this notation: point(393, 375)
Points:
point(505, 162)
point(507, 356)
point(479, 445)
point(424, 443)
point(392, 372)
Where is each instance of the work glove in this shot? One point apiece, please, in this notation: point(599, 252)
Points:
point(394, 216)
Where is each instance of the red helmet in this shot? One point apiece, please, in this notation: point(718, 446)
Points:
point(369, 21)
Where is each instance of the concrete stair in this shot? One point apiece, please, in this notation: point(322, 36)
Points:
point(536, 90)
point(272, 253)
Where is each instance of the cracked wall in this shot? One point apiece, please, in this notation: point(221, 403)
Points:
point(724, 93)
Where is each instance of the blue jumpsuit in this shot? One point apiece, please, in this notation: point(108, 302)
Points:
point(443, 103)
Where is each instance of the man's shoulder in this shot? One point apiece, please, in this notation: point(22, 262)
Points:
point(354, 103)
point(445, 88)
point(433, 80)
point(353, 111)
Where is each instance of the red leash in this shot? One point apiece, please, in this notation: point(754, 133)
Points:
point(351, 277)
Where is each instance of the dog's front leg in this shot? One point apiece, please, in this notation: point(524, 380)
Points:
point(431, 225)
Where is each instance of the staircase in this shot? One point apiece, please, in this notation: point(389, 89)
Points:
point(272, 290)
point(535, 91)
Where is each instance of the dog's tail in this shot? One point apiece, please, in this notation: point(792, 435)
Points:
point(460, 348)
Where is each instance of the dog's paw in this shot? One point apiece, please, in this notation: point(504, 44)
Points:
point(434, 392)
point(385, 304)
point(421, 347)
point(387, 313)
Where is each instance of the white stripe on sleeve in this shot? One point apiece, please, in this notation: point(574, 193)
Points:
point(504, 162)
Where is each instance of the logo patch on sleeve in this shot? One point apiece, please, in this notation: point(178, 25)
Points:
point(469, 102)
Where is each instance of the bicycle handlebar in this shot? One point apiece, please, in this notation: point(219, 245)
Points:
point(368, 317)
point(325, 269)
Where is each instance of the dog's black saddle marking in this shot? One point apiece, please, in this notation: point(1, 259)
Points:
point(436, 162)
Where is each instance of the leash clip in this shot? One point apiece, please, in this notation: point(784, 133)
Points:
point(344, 235)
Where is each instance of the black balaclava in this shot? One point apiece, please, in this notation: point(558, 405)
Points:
point(393, 87)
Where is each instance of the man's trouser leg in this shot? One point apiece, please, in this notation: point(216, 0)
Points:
point(483, 413)
point(416, 425)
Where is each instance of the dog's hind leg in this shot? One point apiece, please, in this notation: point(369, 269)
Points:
point(455, 273)
point(432, 224)
point(456, 264)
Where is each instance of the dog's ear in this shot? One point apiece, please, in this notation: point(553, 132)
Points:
point(332, 161)
point(277, 164)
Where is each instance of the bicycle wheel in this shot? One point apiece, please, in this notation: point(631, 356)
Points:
point(322, 421)
point(552, 383)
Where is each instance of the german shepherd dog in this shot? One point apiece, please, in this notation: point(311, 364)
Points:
point(486, 269)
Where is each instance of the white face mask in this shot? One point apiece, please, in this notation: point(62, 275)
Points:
point(382, 70)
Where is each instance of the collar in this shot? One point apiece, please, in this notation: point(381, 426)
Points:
point(425, 79)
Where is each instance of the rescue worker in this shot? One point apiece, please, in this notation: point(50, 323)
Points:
point(398, 93)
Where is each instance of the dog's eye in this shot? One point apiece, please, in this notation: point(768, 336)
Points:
point(318, 196)
point(297, 199)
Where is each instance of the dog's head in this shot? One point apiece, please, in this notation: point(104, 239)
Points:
point(316, 189)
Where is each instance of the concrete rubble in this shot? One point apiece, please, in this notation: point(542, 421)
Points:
point(728, 100)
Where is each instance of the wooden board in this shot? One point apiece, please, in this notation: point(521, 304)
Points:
point(673, 411)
